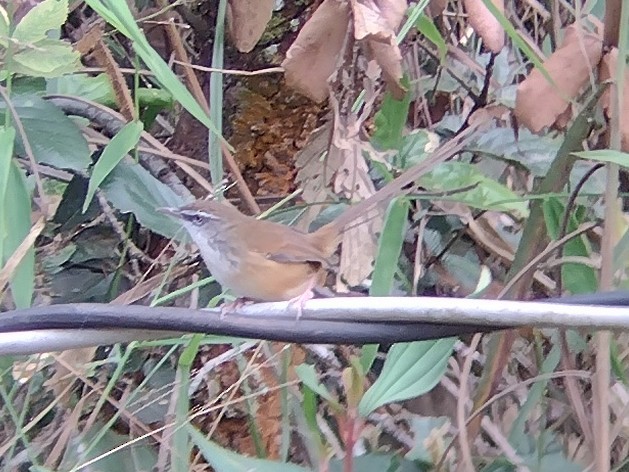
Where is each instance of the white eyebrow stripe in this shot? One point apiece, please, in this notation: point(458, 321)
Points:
point(192, 213)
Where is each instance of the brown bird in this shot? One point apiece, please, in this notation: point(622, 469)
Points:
point(257, 259)
point(267, 261)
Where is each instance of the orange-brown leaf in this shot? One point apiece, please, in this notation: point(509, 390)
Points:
point(485, 23)
point(539, 103)
point(247, 20)
point(312, 58)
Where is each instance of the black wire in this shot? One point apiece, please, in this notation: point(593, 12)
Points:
point(79, 316)
point(276, 328)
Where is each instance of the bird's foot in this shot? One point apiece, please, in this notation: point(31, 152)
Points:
point(230, 307)
point(300, 300)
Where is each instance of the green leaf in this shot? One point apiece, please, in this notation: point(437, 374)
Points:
point(108, 448)
point(54, 138)
point(414, 148)
point(125, 140)
point(578, 278)
point(376, 462)
point(487, 193)
point(43, 17)
point(17, 217)
point(386, 263)
point(118, 14)
point(131, 188)
point(605, 155)
point(4, 26)
point(410, 370)
point(308, 376)
point(423, 427)
point(426, 27)
point(224, 460)
point(390, 121)
point(97, 88)
point(389, 248)
point(7, 138)
point(48, 58)
point(534, 396)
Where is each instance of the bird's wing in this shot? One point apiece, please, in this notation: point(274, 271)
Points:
point(286, 245)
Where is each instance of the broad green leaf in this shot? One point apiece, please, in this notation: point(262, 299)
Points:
point(224, 460)
point(99, 443)
point(49, 58)
point(426, 27)
point(410, 370)
point(415, 148)
point(308, 376)
point(487, 193)
point(97, 88)
point(389, 248)
point(578, 278)
point(390, 121)
point(17, 214)
point(54, 138)
point(536, 153)
point(7, 138)
point(131, 188)
point(43, 17)
point(546, 452)
point(423, 428)
point(118, 147)
point(605, 155)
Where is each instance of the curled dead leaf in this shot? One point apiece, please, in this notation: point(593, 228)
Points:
point(376, 22)
point(377, 19)
point(352, 180)
point(312, 58)
point(247, 20)
point(539, 103)
point(485, 23)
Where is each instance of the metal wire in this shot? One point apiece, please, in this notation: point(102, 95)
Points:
point(353, 320)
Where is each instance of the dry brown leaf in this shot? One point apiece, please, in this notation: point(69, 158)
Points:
point(247, 20)
point(485, 23)
point(312, 58)
point(389, 58)
point(538, 103)
point(69, 365)
point(376, 22)
point(377, 19)
point(608, 71)
point(314, 175)
point(352, 180)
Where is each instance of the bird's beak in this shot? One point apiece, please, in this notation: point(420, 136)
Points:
point(176, 212)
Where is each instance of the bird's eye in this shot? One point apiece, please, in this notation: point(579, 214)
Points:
point(197, 220)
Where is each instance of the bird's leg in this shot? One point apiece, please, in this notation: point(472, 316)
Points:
point(303, 298)
point(230, 307)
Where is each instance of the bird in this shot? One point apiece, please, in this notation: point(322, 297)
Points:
point(266, 261)
point(258, 259)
